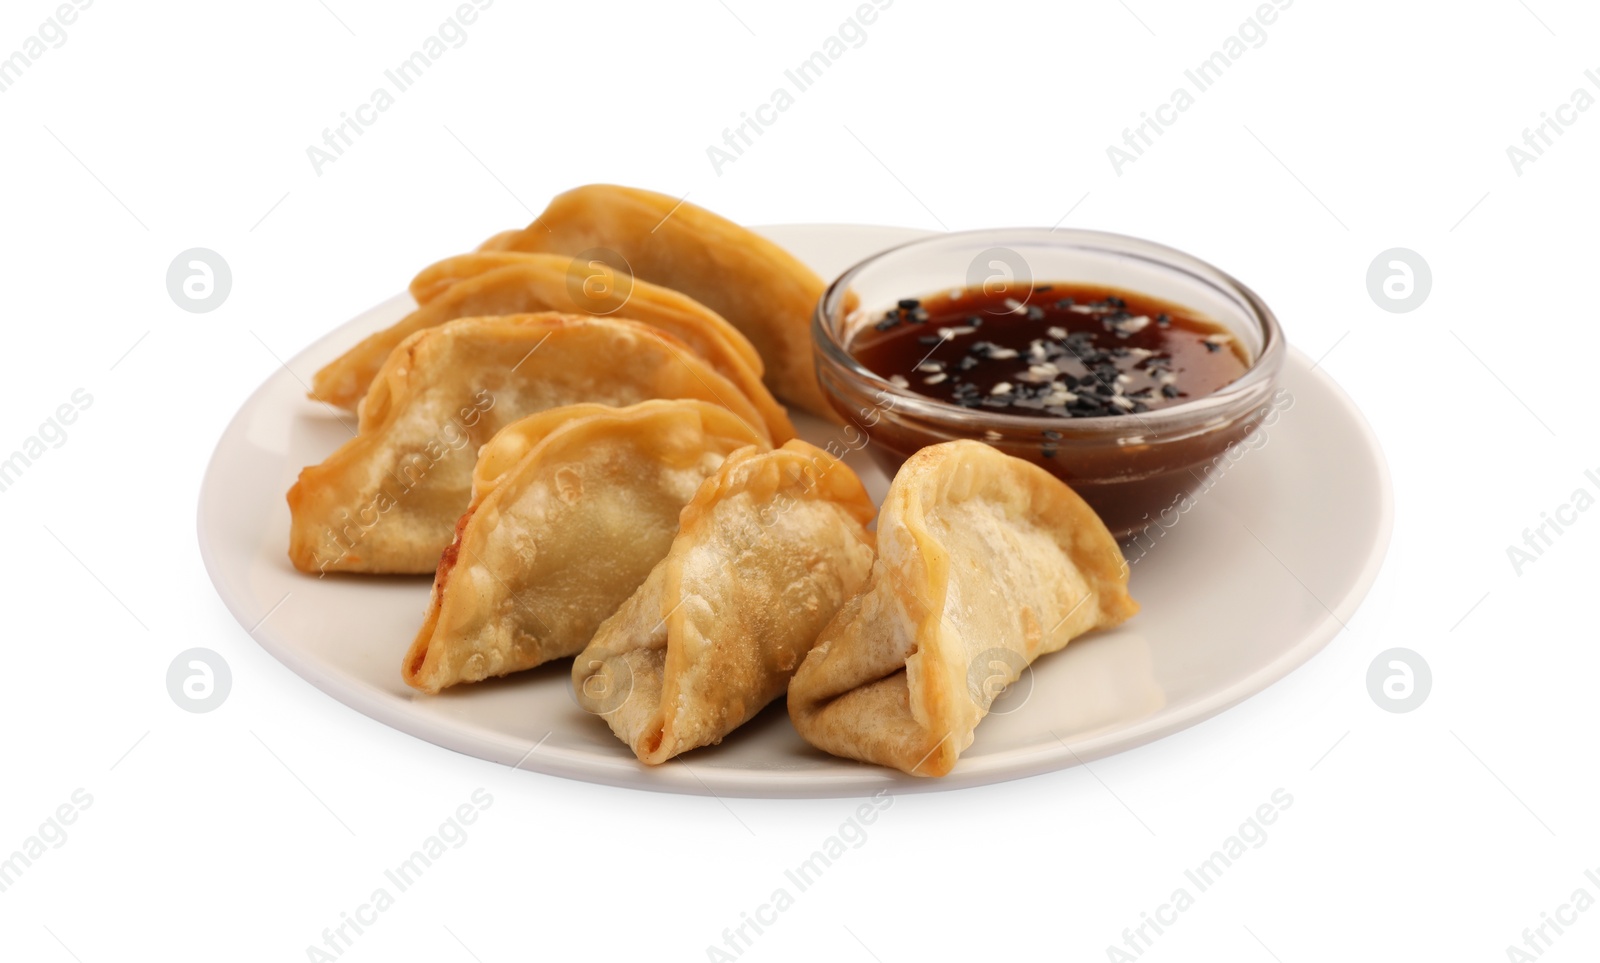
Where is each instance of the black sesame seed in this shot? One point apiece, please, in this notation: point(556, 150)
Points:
point(909, 303)
point(930, 339)
point(1170, 391)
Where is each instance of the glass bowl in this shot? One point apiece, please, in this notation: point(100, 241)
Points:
point(1130, 468)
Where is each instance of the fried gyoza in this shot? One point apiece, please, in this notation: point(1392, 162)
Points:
point(389, 498)
point(759, 287)
point(985, 562)
point(506, 283)
point(571, 508)
point(767, 551)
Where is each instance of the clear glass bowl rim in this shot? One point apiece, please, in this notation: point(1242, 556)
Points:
point(1179, 418)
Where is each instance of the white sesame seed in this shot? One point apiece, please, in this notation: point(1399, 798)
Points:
point(948, 333)
point(1056, 332)
point(1123, 402)
point(1140, 354)
point(1168, 378)
point(1003, 388)
point(1002, 354)
point(1015, 306)
point(1134, 325)
point(935, 379)
point(1043, 370)
point(899, 382)
point(931, 366)
point(1219, 338)
point(1123, 379)
point(991, 435)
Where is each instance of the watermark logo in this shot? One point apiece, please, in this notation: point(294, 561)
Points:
point(999, 680)
point(1538, 539)
point(1398, 280)
point(51, 834)
point(199, 280)
point(1002, 274)
point(607, 687)
point(1399, 680)
point(340, 137)
point(452, 834)
point(1552, 124)
point(52, 433)
point(1252, 834)
point(1145, 539)
point(851, 35)
point(346, 529)
point(51, 35)
point(199, 680)
point(1553, 924)
point(851, 834)
point(1251, 35)
point(600, 281)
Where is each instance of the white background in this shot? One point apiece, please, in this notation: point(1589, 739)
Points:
point(1356, 127)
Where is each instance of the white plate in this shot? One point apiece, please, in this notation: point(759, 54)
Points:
point(1246, 586)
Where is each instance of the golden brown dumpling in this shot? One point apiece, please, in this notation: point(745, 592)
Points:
point(571, 508)
point(767, 551)
point(388, 500)
point(985, 562)
point(759, 287)
point(504, 283)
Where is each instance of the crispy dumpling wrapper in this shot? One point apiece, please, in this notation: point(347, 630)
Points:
point(594, 283)
point(506, 283)
point(767, 551)
point(387, 501)
point(759, 287)
point(571, 509)
point(985, 562)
